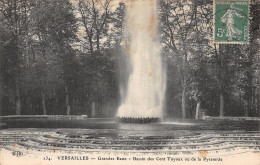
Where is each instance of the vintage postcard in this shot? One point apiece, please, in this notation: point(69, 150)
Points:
point(129, 82)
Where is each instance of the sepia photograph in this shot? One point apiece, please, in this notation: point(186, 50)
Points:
point(129, 82)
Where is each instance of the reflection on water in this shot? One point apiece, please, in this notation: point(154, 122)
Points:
point(144, 139)
point(185, 136)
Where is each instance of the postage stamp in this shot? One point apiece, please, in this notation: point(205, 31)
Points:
point(231, 21)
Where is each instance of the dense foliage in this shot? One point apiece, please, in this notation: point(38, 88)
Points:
point(70, 57)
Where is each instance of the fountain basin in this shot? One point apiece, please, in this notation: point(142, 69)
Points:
point(137, 120)
point(53, 121)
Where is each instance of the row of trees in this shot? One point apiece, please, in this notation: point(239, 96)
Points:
point(220, 78)
point(57, 57)
point(68, 57)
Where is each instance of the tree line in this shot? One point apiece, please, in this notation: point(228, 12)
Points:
point(70, 58)
point(222, 79)
point(56, 57)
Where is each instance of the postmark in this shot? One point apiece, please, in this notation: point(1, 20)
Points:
point(231, 21)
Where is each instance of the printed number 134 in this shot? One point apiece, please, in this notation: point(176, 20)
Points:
point(46, 158)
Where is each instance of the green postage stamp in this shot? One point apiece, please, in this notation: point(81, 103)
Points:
point(231, 21)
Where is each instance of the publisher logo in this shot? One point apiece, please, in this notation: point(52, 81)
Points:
point(17, 153)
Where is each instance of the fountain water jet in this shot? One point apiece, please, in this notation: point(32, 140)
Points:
point(146, 83)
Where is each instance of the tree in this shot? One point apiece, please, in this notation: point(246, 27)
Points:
point(205, 69)
point(14, 14)
point(54, 34)
point(117, 20)
point(95, 16)
point(179, 21)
